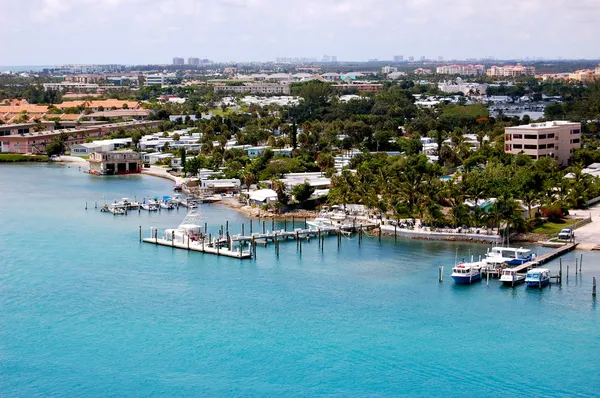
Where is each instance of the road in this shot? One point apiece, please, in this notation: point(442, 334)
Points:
point(588, 236)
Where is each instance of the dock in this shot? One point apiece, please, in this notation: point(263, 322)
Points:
point(242, 246)
point(544, 258)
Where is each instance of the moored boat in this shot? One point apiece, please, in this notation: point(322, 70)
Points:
point(537, 277)
point(510, 277)
point(466, 273)
point(508, 255)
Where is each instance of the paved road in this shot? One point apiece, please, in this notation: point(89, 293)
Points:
point(588, 236)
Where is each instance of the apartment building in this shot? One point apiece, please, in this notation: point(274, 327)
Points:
point(178, 61)
point(27, 141)
point(193, 61)
point(555, 139)
point(463, 70)
point(255, 88)
point(511, 71)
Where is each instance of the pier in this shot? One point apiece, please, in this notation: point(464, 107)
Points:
point(243, 246)
point(543, 259)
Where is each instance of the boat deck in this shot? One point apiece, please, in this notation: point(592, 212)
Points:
point(214, 247)
point(545, 257)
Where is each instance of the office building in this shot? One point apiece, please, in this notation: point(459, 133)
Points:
point(556, 139)
point(398, 58)
point(178, 61)
point(193, 61)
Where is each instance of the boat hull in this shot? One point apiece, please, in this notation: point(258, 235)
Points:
point(510, 282)
point(519, 261)
point(466, 279)
point(537, 283)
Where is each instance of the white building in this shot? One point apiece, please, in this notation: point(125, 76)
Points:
point(464, 70)
point(160, 79)
point(99, 146)
point(460, 86)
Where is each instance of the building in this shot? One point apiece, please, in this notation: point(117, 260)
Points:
point(465, 88)
point(398, 58)
point(331, 77)
point(178, 61)
point(86, 149)
point(388, 69)
point(262, 197)
point(123, 114)
point(555, 139)
point(365, 87)
point(35, 142)
point(255, 88)
point(115, 162)
point(160, 79)
point(463, 70)
point(422, 71)
point(193, 61)
point(511, 71)
point(411, 59)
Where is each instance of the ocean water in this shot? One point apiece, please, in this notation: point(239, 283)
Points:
point(87, 310)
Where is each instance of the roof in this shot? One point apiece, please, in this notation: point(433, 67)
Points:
point(263, 194)
point(545, 125)
point(120, 112)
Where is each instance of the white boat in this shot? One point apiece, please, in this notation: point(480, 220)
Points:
point(537, 277)
point(510, 277)
point(190, 228)
point(508, 255)
point(466, 273)
point(166, 203)
point(130, 205)
point(151, 205)
point(117, 210)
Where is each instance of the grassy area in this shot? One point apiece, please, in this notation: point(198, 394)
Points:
point(550, 228)
point(15, 157)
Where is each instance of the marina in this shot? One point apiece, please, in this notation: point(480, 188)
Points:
point(108, 303)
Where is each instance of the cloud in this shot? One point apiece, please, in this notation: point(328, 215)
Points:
point(128, 31)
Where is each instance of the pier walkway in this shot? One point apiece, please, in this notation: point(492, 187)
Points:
point(244, 246)
point(544, 258)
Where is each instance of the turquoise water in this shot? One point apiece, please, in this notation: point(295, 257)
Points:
point(87, 310)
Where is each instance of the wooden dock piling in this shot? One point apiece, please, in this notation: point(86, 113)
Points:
point(441, 273)
point(594, 287)
point(140, 233)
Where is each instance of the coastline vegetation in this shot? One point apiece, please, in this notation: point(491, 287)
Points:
point(13, 157)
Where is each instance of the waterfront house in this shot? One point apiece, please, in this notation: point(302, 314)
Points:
point(115, 162)
point(262, 197)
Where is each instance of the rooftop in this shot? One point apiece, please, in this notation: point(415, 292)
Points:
point(545, 125)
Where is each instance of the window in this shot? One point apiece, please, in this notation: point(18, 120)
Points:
point(4, 132)
point(530, 146)
point(517, 146)
point(542, 146)
point(517, 136)
point(575, 141)
point(534, 157)
point(23, 131)
point(530, 137)
point(551, 135)
point(550, 146)
point(576, 131)
point(542, 136)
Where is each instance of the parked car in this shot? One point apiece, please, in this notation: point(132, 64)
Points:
point(565, 234)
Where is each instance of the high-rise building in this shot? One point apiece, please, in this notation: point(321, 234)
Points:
point(398, 58)
point(422, 58)
point(440, 58)
point(464, 70)
point(326, 58)
point(334, 58)
point(178, 61)
point(193, 61)
point(411, 58)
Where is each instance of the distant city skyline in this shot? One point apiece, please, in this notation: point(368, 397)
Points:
point(155, 31)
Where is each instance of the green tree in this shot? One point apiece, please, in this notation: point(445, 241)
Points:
point(302, 192)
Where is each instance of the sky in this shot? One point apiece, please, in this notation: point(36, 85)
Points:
point(50, 32)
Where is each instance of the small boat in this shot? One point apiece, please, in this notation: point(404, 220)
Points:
point(166, 203)
point(177, 188)
point(117, 210)
point(152, 205)
point(510, 277)
point(128, 204)
point(537, 277)
point(466, 273)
